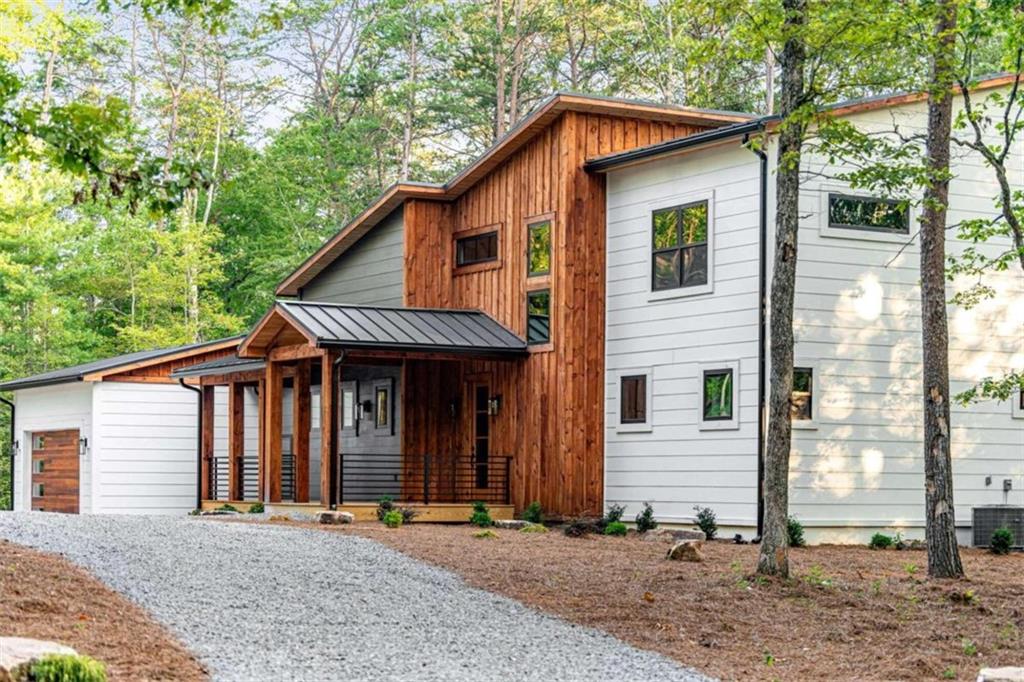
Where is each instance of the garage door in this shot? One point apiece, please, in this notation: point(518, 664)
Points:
point(55, 471)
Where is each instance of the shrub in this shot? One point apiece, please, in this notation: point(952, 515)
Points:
point(534, 528)
point(1001, 542)
point(393, 519)
point(707, 521)
point(486, 533)
point(256, 508)
point(227, 508)
point(880, 541)
point(384, 505)
point(582, 525)
point(615, 528)
point(795, 530)
point(645, 519)
point(481, 516)
point(408, 514)
point(68, 668)
point(614, 514)
point(533, 513)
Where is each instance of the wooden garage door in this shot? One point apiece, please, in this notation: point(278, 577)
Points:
point(55, 471)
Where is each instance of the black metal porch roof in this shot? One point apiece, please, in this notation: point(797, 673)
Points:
point(231, 363)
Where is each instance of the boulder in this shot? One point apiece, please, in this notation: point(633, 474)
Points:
point(335, 518)
point(687, 550)
point(17, 654)
point(512, 524)
point(672, 535)
point(1001, 675)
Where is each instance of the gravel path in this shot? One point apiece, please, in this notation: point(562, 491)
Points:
point(274, 603)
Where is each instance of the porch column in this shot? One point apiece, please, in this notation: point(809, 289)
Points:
point(207, 459)
point(328, 429)
point(261, 458)
point(272, 433)
point(300, 429)
point(236, 441)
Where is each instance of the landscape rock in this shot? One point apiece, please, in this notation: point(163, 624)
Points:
point(512, 524)
point(1001, 675)
point(335, 518)
point(17, 654)
point(672, 535)
point(687, 550)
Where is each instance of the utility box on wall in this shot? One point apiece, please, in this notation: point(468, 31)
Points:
point(985, 520)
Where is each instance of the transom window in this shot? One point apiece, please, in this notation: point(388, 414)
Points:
point(801, 404)
point(633, 399)
point(718, 395)
point(538, 316)
point(383, 409)
point(680, 246)
point(480, 248)
point(348, 408)
point(872, 214)
point(538, 248)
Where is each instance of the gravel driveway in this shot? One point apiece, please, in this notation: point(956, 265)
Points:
point(273, 603)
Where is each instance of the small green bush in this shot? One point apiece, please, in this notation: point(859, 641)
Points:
point(227, 508)
point(1002, 541)
point(615, 528)
point(534, 528)
point(614, 514)
point(645, 519)
point(795, 530)
point(880, 541)
point(533, 513)
point(481, 516)
point(68, 668)
point(707, 521)
point(393, 519)
point(486, 533)
point(582, 525)
point(256, 508)
point(384, 505)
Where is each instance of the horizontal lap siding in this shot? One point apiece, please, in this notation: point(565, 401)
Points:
point(858, 321)
point(675, 465)
point(145, 448)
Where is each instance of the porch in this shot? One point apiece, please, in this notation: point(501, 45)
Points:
point(266, 413)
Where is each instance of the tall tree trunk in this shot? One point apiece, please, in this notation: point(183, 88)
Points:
point(412, 54)
point(774, 557)
point(940, 529)
point(499, 63)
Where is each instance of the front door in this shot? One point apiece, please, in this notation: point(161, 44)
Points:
point(55, 471)
point(481, 434)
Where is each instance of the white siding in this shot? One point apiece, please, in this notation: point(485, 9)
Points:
point(676, 465)
point(50, 408)
point(145, 448)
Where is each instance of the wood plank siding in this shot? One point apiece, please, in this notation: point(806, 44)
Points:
point(551, 413)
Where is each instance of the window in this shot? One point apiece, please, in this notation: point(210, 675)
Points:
point(718, 392)
point(868, 213)
point(38, 492)
point(37, 466)
point(801, 405)
point(680, 246)
point(480, 248)
point(348, 408)
point(1017, 405)
point(538, 316)
point(633, 397)
point(538, 249)
point(382, 412)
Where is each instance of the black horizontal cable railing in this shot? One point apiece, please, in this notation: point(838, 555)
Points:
point(219, 484)
point(425, 478)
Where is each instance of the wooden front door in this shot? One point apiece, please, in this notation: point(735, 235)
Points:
point(55, 471)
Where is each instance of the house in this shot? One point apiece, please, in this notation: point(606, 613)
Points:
point(112, 436)
point(690, 238)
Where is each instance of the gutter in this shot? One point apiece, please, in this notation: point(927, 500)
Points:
point(762, 288)
point(10, 481)
point(199, 443)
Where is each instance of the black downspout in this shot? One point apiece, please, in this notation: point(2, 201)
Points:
point(10, 481)
point(199, 444)
point(761, 330)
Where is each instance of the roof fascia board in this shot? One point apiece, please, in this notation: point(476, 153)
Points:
point(245, 348)
point(100, 375)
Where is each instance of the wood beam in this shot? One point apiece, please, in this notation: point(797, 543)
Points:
point(301, 420)
point(236, 441)
point(328, 428)
point(207, 459)
point(274, 387)
point(294, 352)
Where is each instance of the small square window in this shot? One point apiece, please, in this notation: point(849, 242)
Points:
point(37, 466)
point(383, 409)
point(38, 442)
point(38, 491)
point(872, 214)
point(538, 250)
point(481, 248)
point(633, 398)
point(538, 316)
point(718, 395)
point(802, 405)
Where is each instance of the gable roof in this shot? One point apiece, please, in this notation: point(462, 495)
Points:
point(520, 134)
point(97, 369)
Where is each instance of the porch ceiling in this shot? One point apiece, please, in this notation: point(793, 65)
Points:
point(374, 328)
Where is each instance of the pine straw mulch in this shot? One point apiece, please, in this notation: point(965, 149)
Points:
point(847, 613)
point(44, 596)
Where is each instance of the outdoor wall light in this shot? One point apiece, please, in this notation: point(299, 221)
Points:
point(367, 409)
point(83, 446)
point(494, 405)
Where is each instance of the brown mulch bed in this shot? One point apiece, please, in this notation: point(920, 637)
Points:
point(847, 613)
point(43, 596)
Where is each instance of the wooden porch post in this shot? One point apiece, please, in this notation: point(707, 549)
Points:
point(236, 440)
point(207, 461)
point(300, 429)
point(328, 430)
point(273, 423)
point(261, 460)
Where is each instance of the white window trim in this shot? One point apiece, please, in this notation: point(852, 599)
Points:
point(638, 427)
point(824, 230)
point(719, 424)
point(812, 423)
point(668, 202)
point(1016, 411)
